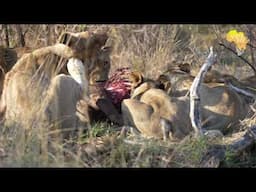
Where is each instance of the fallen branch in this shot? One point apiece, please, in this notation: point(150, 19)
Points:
point(195, 115)
point(246, 141)
point(242, 89)
point(216, 154)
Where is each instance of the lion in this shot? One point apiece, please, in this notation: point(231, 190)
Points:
point(177, 80)
point(178, 85)
point(40, 85)
point(99, 107)
point(156, 114)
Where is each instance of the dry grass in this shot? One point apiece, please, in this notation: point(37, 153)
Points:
point(150, 49)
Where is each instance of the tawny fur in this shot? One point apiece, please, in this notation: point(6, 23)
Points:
point(36, 85)
point(221, 108)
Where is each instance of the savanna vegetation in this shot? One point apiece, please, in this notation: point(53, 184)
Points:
point(151, 49)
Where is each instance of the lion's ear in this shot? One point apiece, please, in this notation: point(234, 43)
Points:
point(100, 38)
point(96, 42)
point(66, 38)
point(84, 34)
point(136, 78)
point(73, 40)
point(84, 41)
point(107, 49)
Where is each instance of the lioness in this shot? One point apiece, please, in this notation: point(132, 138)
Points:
point(153, 112)
point(178, 80)
point(38, 85)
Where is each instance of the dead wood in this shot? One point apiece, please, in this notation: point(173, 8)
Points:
point(195, 115)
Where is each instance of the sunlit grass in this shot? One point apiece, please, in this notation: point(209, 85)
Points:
point(150, 49)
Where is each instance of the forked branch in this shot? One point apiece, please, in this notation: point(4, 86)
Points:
point(195, 115)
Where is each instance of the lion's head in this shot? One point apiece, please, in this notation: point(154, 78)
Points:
point(43, 64)
point(90, 48)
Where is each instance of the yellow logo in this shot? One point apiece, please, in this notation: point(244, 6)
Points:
point(239, 39)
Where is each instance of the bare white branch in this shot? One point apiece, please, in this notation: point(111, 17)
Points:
point(195, 115)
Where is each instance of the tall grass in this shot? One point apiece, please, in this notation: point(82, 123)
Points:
point(148, 48)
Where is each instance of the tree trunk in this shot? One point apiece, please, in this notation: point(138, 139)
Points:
point(21, 39)
point(6, 35)
point(49, 35)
